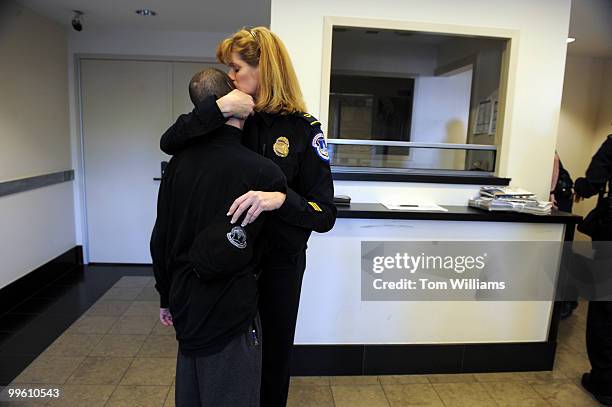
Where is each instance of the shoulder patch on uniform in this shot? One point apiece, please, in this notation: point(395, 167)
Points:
point(320, 146)
point(309, 118)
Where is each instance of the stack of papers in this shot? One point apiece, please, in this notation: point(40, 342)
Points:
point(505, 192)
point(414, 207)
point(510, 199)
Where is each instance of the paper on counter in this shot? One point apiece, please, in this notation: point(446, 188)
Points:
point(414, 207)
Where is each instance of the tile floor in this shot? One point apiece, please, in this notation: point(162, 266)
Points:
point(118, 354)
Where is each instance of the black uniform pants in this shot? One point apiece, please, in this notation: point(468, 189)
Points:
point(280, 284)
point(599, 344)
point(599, 328)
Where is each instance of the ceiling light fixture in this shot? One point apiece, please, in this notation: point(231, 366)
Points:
point(146, 12)
point(570, 40)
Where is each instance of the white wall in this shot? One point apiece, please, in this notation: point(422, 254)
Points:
point(535, 96)
point(604, 117)
point(37, 225)
point(116, 43)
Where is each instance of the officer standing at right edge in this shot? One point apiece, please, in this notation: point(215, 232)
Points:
point(280, 130)
point(599, 317)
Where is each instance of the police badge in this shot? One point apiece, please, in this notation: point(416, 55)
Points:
point(281, 147)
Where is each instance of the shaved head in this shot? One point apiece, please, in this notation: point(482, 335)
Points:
point(209, 82)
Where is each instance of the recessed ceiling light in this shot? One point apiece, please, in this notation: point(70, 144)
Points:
point(570, 40)
point(145, 12)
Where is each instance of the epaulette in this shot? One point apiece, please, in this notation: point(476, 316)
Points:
point(309, 118)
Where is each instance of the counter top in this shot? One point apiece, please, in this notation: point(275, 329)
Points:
point(455, 213)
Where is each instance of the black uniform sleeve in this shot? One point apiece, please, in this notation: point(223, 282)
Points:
point(159, 243)
point(203, 119)
point(598, 173)
point(229, 261)
point(314, 208)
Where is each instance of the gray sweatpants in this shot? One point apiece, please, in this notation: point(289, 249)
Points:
point(230, 378)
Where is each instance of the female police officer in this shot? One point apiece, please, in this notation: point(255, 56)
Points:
point(279, 129)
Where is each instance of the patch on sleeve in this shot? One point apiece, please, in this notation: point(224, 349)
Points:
point(315, 206)
point(320, 146)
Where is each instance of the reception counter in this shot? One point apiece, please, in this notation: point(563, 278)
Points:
point(339, 334)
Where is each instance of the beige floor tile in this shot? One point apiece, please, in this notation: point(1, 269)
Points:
point(353, 380)
point(403, 379)
point(100, 370)
point(571, 364)
point(110, 308)
point(422, 395)
point(73, 345)
point(463, 395)
point(170, 398)
point(573, 336)
point(122, 294)
point(560, 394)
point(148, 294)
point(133, 281)
point(543, 377)
point(49, 369)
point(159, 346)
point(81, 395)
point(513, 393)
point(160, 329)
point(151, 283)
point(369, 395)
point(127, 324)
point(451, 378)
point(310, 381)
point(150, 372)
point(498, 377)
point(310, 396)
point(138, 396)
point(92, 324)
point(119, 345)
point(144, 308)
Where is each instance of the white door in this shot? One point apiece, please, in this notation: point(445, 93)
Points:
point(126, 106)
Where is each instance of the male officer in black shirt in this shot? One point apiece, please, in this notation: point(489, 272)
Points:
point(599, 317)
point(205, 266)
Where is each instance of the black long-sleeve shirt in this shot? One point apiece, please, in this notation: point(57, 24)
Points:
point(598, 173)
point(203, 265)
point(296, 144)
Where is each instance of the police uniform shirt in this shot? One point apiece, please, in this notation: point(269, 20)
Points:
point(295, 142)
point(598, 173)
point(204, 266)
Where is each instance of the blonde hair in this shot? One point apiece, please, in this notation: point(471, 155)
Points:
point(279, 90)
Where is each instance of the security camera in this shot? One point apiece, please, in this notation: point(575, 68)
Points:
point(76, 20)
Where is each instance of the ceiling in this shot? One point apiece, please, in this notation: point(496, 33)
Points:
point(590, 23)
point(180, 15)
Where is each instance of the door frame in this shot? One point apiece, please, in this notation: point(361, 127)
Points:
point(80, 193)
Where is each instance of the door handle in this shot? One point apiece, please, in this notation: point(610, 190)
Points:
point(163, 166)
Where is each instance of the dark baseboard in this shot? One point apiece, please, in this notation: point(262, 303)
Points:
point(35, 280)
point(337, 360)
point(121, 264)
